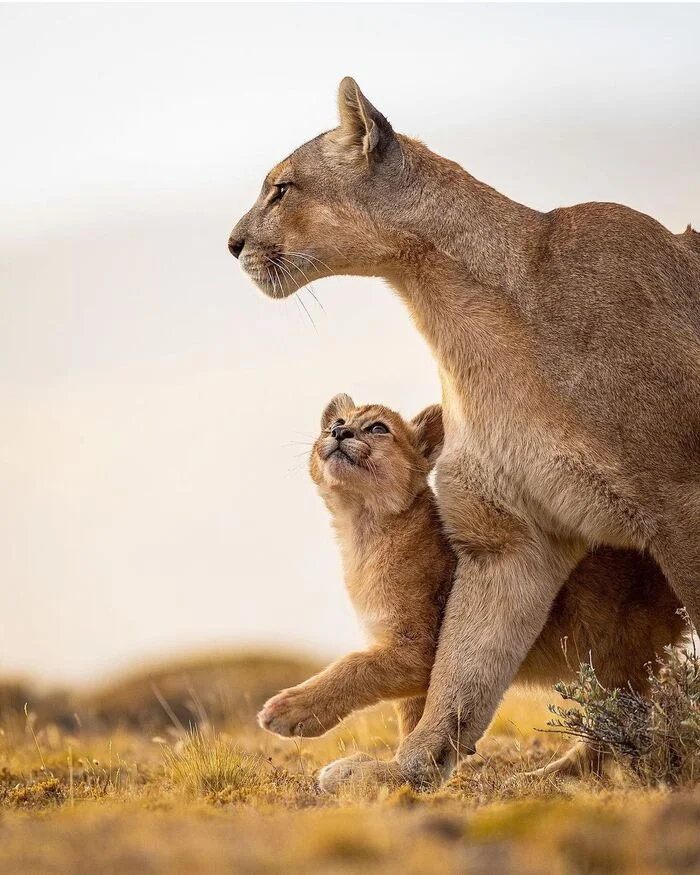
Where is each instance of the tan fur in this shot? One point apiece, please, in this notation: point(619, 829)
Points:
point(568, 344)
point(615, 610)
point(397, 562)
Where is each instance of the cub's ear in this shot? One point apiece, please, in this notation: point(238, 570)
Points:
point(430, 434)
point(363, 129)
point(336, 407)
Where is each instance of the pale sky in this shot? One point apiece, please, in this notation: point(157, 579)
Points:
point(156, 408)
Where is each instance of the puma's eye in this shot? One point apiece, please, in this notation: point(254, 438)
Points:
point(280, 191)
point(378, 428)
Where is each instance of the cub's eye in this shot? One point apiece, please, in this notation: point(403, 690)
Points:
point(378, 428)
point(337, 422)
point(280, 190)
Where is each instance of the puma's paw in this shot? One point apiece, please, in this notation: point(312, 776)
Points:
point(294, 712)
point(360, 772)
point(581, 761)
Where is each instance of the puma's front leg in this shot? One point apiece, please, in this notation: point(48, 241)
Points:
point(508, 572)
point(498, 605)
point(349, 772)
point(393, 670)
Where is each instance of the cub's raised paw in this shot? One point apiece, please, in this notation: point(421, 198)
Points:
point(359, 773)
point(293, 712)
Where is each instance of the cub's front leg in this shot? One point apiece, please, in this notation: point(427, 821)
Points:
point(358, 680)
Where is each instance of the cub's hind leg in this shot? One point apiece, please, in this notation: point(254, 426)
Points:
point(409, 712)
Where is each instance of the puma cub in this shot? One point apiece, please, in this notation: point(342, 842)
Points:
point(371, 468)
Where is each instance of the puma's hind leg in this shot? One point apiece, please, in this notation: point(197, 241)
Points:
point(616, 611)
point(581, 761)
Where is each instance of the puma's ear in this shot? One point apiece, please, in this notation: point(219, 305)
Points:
point(430, 434)
point(336, 408)
point(363, 129)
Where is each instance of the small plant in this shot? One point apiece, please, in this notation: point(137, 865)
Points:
point(205, 765)
point(38, 794)
point(658, 734)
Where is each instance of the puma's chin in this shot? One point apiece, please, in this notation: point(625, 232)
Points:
point(273, 290)
point(268, 277)
point(270, 286)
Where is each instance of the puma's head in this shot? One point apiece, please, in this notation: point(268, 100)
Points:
point(371, 456)
point(328, 208)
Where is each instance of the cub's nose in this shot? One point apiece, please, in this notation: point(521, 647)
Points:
point(340, 432)
point(235, 246)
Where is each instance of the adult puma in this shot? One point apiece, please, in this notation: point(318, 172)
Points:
point(569, 351)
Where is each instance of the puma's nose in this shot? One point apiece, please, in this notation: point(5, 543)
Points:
point(235, 246)
point(340, 432)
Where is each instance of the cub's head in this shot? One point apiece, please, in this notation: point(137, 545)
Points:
point(327, 209)
point(370, 456)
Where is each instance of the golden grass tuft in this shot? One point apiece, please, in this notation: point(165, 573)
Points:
point(208, 764)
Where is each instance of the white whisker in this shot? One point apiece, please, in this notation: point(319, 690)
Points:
point(308, 314)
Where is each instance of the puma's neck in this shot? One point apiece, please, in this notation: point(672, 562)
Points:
point(464, 263)
point(490, 239)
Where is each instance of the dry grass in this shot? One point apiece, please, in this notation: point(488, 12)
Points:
point(92, 789)
point(205, 764)
point(657, 735)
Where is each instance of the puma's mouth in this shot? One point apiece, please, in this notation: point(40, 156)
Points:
point(266, 285)
point(267, 282)
point(280, 275)
point(275, 276)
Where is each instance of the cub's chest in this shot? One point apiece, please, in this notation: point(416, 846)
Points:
point(374, 589)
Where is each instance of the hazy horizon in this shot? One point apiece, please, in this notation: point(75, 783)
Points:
point(154, 402)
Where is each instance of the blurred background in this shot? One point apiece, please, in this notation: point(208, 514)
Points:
point(156, 410)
